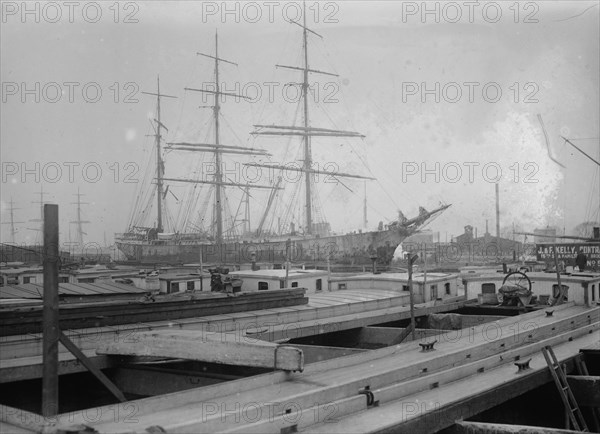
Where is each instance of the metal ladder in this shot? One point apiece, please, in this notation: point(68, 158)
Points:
point(568, 399)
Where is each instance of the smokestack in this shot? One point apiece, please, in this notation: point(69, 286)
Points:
point(497, 212)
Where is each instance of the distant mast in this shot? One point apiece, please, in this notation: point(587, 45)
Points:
point(12, 221)
point(79, 222)
point(41, 219)
point(160, 166)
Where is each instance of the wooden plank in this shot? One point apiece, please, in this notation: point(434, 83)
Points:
point(327, 372)
point(465, 427)
point(328, 324)
point(23, 421)
point(586, 389)
point(438, 408)
point(91, 367)
point(321, 383)
point(224, 348)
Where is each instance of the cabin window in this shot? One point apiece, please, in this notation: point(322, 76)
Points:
point(447, 288)
point(404, 287)
point(319, 284)
point(28, 279)
point(594, 292)
point(434, 292)
point(294, 284)
point(263, 286)
point(190, 285)
point(488, 288)
point(86, 280)
point(281, 284)
point(1, 281)
point(174, 286)
point(341, 286)
point(63, 279)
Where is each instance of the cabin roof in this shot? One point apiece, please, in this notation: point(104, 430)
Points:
point(36, 290)
point(280, 273)
point(400, 277)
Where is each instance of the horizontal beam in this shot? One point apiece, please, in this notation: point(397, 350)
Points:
point(214, 92)
point(217, 151)
point(198, 345)
point(314, 71)
point(306, 28)
point(212, 145)
point(300, 169)
point(162, 95)
point(307, 133)
point(218, 59)
point(230, 184)
point(300, 128)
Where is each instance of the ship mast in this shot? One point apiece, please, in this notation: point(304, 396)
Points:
point(79, 222)
point(160, 166)
point(12, 220)
point(41, 219)
point(307, 150)
point(217, 148)
point(219, 172)
point(306, 131)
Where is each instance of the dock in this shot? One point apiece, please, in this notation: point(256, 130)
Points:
point(418, 386)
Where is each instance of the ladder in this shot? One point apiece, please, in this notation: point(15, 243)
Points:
point(568, 399)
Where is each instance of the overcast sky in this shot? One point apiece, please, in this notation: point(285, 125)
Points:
point(543, 57)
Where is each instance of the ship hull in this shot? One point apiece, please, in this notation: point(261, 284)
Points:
point(351, 248)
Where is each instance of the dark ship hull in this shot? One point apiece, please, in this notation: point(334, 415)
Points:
point(349, 248)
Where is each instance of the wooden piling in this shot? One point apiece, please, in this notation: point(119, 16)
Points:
point(51, 329)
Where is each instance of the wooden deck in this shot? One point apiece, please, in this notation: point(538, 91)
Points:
point(398, 388)
point(20, 355)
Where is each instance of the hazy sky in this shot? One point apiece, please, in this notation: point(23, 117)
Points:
point(393, 63)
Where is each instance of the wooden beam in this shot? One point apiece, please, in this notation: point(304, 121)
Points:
point(91, 367)
point(586, 389)
point(335, 380)
point(465, 427)
point(226, 348)
point(404, 334)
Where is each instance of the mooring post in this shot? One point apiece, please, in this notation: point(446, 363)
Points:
point(51, 329)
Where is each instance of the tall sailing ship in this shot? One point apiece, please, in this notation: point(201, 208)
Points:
point(228, 239)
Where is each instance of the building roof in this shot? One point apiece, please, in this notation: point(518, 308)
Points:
point(399, 277)
point(36, 291)
point(278, 274)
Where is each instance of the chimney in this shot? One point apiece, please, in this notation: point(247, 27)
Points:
point(497, 211)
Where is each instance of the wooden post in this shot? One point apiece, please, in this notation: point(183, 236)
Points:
point(288, 245)
point(560, 288)
point(51, 329)
point(411, 261)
